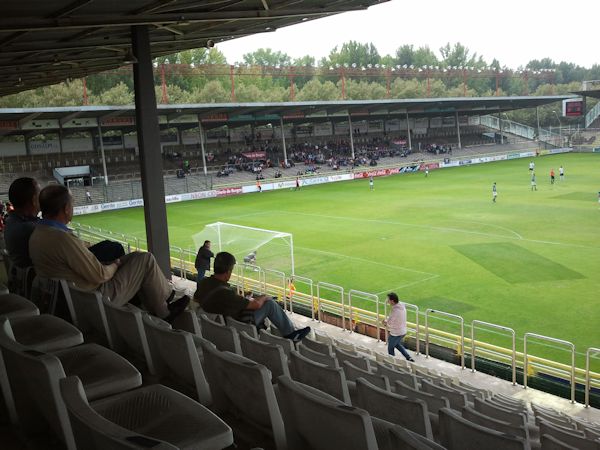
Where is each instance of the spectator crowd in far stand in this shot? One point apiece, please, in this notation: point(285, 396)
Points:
point(437, 148)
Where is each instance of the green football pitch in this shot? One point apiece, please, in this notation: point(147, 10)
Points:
point(530, 261)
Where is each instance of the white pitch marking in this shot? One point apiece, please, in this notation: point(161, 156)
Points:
point(408, 284)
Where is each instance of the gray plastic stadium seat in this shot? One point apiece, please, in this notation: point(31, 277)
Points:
point(457, 433)
point(328, 359)
point(457, 400)
point(269, 355)
point(574, 438)
point(514, 418)
point(353, 373)
point(318, 423)
point(127, 334)
point(150, 417)
point(4, 289)
point(495, 424)
point(434, 403)
point(225, 338)
point(175, 359)
point(321, 347)
point(187, 321)
point(327, 379)
point(354, 358)
point(397, 375)
point(21, 279)
point(551, 443)
point(243, 389)
point(412, 414)
point(88, 313)
point(13, 305)
point(45, 333)
point(286, 344)
point(558, 419)
point(36, 397)
point(248, 328)
point(406, 439)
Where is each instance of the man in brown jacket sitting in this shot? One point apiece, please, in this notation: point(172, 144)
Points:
point(57, 253)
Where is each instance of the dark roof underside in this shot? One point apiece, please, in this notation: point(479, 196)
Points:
point(594, 93)
point(43, 42)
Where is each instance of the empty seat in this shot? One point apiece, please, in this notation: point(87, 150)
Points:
point(457, 433)
point(88, 314)
point(406, 439)
point(397, 375)
point(319, 423)
point(248, 328)
point(457, 400)
point(345, 345)
point(242, 390)
point(175, 359)
point(551, 443)
point(127, 334)
point(150, 417)
point(286, 344)
point(36, 398)
point(44, 333)
point(514, 418)
point(187, 321)
point(575, 438)
point(225, 338)
point(323, 338)
point(353, 373)
point(13, 305)
point(394, 362)
point(321, 347)
point(269, 355)
point(434, 404)
point(357, 360)
point(495, 424)
point(323, 358)
point(409, 413)
point(327, 379)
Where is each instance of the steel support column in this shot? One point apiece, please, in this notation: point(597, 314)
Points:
point(101, 141)
point(283, 141)
point(148, 135)
point(351, 134)
point(408, 132)
point(201, 133)
point(457, 129)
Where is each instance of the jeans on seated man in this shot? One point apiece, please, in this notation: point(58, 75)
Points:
point(215, 296)
point(57, 253)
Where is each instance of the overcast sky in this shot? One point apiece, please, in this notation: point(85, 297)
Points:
point(512, 31)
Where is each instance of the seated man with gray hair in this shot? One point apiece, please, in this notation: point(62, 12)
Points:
point(57, 253)
point(216, 296)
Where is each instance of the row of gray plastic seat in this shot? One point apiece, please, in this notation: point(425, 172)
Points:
point(79, 392)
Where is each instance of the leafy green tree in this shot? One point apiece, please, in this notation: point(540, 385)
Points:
point(353, 52)
point(117, 95)
point(212, 92)
point(316, 90)
point(267, 57)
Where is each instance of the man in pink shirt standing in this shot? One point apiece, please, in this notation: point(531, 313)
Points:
point(396, 324)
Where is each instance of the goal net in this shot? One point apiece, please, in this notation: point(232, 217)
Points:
point(272, 249)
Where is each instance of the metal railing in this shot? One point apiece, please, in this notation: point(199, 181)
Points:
point(353, 293)
point(592, 115)
point(521, 130)
point(588, 383)
point(255, 278)
point(513, 360)
point(556, 341)
point(461, 350)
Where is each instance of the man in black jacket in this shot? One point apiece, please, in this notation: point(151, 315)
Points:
point(203, 257)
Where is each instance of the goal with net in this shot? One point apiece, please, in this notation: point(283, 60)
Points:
point(273, 249)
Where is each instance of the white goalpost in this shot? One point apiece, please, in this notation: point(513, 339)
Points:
point(273, 249)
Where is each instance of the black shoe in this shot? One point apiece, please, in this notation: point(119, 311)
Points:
point(410, 360)
point(299, 334)
point(176, 308)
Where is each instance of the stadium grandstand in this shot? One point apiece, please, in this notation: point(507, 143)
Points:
point(78, 371)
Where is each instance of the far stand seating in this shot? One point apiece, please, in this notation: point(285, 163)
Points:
point(150, 417)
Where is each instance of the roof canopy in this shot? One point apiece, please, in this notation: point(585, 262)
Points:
point(28, 120)
point(43, 42)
